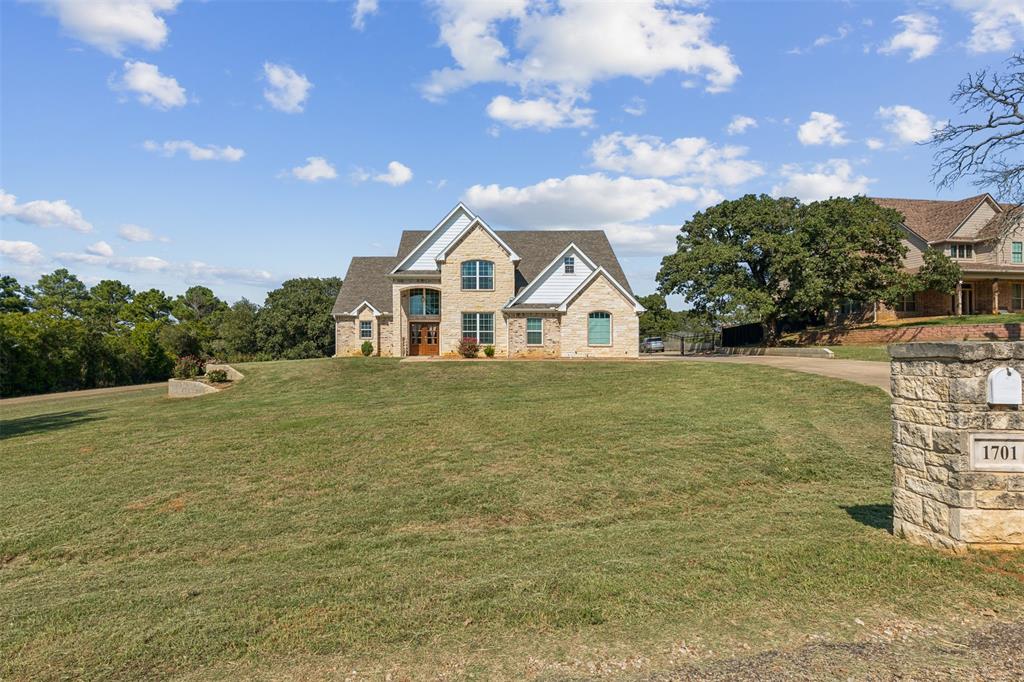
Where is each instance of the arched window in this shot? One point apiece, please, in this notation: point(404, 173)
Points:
point(477, 274)
point(424, 302)
point(599, 329)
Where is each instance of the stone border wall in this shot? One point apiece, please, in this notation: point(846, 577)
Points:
point(952, 332)
point(189, 388)
point(939, 398)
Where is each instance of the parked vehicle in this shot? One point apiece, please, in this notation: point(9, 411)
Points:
point(652, 344)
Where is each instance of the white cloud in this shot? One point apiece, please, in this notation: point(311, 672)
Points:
point(582, 201)
point(43, 213)
point(191, 271)
point(641, 239)
point(317, 168)
point(920, 36)
point(740, 124)
point(524, 44)
point(286, 89)
point(135, 233)
point(637, 106)
point(151, 87)
point(195, 152)
point(24, 253)
point(693, 159)
point(541, 113)
point(100, 248)
point(840, 34)
point(998, 24)
point(822, 128)
point(398, 174)
point(361, 10)
point(112, 25)
point(908, 124)
point(874, 144)
point(834, 178)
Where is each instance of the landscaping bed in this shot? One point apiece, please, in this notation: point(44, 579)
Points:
point(487, 520)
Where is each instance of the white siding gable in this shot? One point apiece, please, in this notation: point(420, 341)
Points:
point(554, 284)
point(425, 255)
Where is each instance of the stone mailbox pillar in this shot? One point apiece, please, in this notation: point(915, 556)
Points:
point(958, 444)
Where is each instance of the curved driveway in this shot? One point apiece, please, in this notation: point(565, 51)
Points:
point(865, 372)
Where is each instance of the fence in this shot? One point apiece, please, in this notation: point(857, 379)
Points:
point(743, 335)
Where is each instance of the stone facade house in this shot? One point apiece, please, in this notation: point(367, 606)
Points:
point(528, 293)
point(984, 237)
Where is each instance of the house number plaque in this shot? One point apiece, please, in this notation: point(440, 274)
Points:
point(997, 452)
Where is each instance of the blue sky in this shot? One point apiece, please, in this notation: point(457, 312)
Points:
point(238, 144)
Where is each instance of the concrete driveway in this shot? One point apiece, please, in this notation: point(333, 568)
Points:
point(858, 371)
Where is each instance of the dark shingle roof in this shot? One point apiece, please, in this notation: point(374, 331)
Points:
point(366, 280)
point(932, 219)
point(367, 277)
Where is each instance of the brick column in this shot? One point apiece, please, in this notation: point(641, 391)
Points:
point(941, 497)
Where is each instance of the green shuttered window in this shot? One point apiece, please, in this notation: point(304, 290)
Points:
point(1018, 252)
point(599, 329)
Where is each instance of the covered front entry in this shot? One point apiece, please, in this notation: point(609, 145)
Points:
point(424, 338)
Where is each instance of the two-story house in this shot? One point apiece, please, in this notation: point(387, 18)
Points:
point(984, 237)
point(526, 292)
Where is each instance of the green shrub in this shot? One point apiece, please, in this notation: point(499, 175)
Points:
point(217, 376)
point(188, 367)
point(489, 351)
point(366, 348)
point(468, 348)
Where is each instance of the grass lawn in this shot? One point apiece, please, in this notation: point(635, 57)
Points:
point(876, 353)
point(501, 520)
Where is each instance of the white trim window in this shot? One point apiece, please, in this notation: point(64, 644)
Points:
point(479, 327)
point(1017, 253)
point(961, 251)
point(478, 274)
point(569, 265)
point(535, 331)
point(366, 329)
point(1018, 297)
point(599, 328)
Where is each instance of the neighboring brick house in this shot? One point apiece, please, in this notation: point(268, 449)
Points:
point(985, 238)
point(528, 293)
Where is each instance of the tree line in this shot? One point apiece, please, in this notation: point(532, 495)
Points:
point(60, 335)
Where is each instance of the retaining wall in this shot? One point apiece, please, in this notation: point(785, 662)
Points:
point(961, 332)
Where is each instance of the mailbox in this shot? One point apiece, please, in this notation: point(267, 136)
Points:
point(1004, 386)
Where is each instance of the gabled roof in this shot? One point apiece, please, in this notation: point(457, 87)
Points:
point(459, 207)
point(366, 281)
point(536, 248)
point(601, 272)
point(477, 222)
point(556, 262)
point(931, 219)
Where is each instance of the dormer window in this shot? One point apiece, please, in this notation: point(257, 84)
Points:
point(961, 251)
point(569, 263)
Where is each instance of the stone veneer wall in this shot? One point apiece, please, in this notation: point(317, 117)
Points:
point(346, 334)
point(939, 398)
point(551, 348)
point(958, 332)
point(601, 296)
point(477, 245)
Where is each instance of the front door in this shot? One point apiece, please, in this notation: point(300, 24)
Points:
point(967, 299)
point(423, 338)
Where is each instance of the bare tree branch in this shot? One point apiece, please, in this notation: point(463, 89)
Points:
point(987, 146)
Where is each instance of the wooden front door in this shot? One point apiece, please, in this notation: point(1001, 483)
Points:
point(423, 338)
